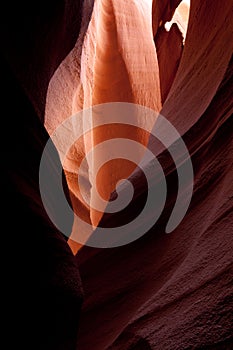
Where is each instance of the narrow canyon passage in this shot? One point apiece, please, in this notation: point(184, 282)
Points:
point(162, 291)
point(113, 65)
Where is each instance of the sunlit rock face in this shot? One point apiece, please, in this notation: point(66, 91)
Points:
point(174, 290)
point(180, 281)
point(167, 292)
point(118, 58)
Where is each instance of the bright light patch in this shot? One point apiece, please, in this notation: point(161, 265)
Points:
point(181, 17)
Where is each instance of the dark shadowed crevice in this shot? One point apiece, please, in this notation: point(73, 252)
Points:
point(169, 41)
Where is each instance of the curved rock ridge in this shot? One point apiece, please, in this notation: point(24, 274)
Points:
point(110, 64)
point(168, 292)
point(175, 291)
point(115, 67)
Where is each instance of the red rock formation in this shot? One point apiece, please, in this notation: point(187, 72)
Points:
point(162, 291)
point(112, 70)
point(175, 291)
point(109, 69)
point(169, 48)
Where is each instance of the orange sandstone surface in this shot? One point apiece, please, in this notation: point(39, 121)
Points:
point(163, 291)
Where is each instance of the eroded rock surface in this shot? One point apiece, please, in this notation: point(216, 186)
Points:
point(162, 291)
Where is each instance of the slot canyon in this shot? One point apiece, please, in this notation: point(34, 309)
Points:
point(169, 65)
